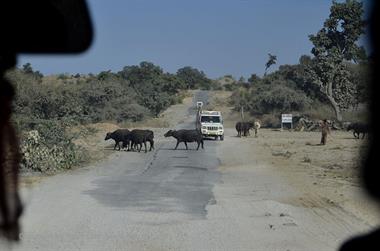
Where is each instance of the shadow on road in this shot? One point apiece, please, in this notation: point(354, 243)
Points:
point(180, 149)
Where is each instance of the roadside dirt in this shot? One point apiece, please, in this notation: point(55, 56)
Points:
point(322, 176)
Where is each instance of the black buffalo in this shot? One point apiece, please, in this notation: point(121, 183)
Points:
point(243, 128)
point(186, 136)
point(137, 137)
point(118, 136)
point(358, 128)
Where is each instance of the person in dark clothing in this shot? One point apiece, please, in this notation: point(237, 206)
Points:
point(325, 131)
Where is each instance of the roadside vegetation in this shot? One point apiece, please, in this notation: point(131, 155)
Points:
point(46, 108)
point(289, 90)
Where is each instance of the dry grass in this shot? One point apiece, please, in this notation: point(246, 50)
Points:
point(152, 123)
point(339, 158)
point(306, 159)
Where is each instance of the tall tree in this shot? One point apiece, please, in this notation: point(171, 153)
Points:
point(253, 79)
point(271, 61)
point(27, 68)
point(156, 89)
point(334, 45)
point(241, 80)
point(193, 78)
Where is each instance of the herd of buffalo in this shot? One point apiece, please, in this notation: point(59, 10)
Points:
point(243, 128)
point(135, 139)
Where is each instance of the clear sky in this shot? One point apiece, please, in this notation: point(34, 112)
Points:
point(217, 36)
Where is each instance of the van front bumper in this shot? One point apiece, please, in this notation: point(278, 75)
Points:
point(212, 133)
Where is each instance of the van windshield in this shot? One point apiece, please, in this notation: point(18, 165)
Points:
point(210, 119)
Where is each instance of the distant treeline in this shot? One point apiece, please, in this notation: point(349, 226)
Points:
point(133, 93)
point(290, 89)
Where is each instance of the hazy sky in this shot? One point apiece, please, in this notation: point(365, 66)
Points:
point(217, 36)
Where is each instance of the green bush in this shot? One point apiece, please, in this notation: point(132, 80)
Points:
point(271, 120)
point(266, 99)
point(278, 98)
point(38, 154)
point(231, 87)
point(134, 112)
point(62, 76)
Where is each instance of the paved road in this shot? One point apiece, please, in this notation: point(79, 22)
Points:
point(220, 198)
point(98, 207)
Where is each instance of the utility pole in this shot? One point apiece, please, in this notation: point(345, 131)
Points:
point(242, 113)
point(197, 117)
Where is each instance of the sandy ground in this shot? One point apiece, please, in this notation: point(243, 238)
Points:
point(332, 170)
point(312, 187)
point(322, 179)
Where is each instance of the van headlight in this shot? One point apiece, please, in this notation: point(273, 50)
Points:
point(204, 127)
point(220, 127)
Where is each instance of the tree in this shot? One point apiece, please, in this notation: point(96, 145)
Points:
point(171, 83)
point(271, 61)
point(103, 75)
point(27, 68)
point(241, 80)
point(253, 79)
point(156, 90)
point(242, 100)
point(137, 75)
point(360, 76)
point(193, 78)
point(334, 45)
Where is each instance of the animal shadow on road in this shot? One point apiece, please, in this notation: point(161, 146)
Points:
point(352, 138)
point(314, 144)
point(180, 149)
point(109, 148)
point(209, 139)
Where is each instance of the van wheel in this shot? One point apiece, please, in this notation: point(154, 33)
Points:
point(216, 137)
point(221, 137)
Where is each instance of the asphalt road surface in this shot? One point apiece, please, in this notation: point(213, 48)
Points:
point(177, 200)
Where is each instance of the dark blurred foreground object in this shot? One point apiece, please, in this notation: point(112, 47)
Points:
point(44, 26)
point(370, 169)
point(41, 26)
